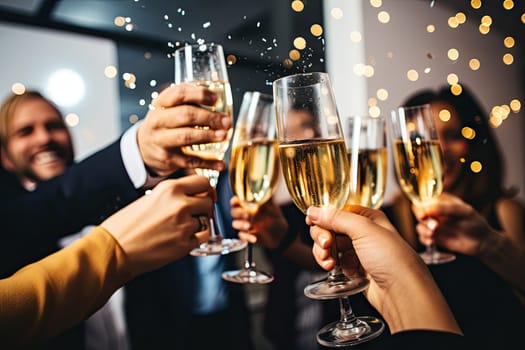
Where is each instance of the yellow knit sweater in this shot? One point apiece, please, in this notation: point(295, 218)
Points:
point(51, 295)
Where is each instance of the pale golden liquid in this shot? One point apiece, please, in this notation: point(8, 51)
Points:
point(315, 172)
point(254, 172)
point(368, 180)
point(224, 104)
point(419, 169)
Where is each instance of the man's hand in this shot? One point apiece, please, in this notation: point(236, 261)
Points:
point(170, 125)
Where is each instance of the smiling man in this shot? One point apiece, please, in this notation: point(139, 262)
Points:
point(36, 146)
point(35, 142)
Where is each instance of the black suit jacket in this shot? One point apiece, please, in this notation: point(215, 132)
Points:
point(33, 222)
point(87, 193)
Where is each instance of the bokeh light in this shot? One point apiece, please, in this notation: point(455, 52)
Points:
point(452, 79)
point(444, 115)
point(508, 59)
point(474, 64)
point(374, 111)
point(376, 3)
point(336, 13)
point(110, 71)
point(356, 36)
point(294, 55)
point(299, 43)
point(18, 88)
point(476, 166)
point(453, 54)
point(382, 94)
point(456, 89)
point(508, 4)
point(509, 42)
point(412, 75)
point(515, 105)
point(383, 17)
point(72, 119)
point(475, 4)
point(297, 6)
point(316, 30)
point(468, 133)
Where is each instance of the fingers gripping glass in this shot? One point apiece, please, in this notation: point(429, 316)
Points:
point(204, 65)
point(315, 167)
point(418, 161)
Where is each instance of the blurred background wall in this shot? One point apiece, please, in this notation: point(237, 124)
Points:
point(37, 57)
point(380, 52)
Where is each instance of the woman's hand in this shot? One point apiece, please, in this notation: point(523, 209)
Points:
point(401, 287)
point(164, 225)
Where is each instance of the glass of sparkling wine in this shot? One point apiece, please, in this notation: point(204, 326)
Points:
point(365, 138)
point(418, 161)
point(316, 169)
point(204, 65)
point(253, 170)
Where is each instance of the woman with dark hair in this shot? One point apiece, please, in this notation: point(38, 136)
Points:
point(477, 218)
point(466, 136)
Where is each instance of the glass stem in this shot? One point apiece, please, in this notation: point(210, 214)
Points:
point(215, 234)
point(347, 318)
point(249, 264)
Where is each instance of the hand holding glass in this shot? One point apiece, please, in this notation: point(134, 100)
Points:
point(367, 159)
point(204, 65)
point(418, 161)
point(316, 167)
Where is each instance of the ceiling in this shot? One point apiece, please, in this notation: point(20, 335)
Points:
point(258, 32)
point(248, 29)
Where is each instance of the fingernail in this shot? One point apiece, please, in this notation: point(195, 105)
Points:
point(313, 213)
point(220, 134)
point(226, 122)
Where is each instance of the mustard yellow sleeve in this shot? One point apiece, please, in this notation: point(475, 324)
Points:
point(47, 297)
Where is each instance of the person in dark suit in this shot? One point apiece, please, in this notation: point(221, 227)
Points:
point(37, 207)
point(51, 295)
point(72, 195)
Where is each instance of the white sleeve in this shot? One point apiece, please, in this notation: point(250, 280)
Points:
point(129, 150)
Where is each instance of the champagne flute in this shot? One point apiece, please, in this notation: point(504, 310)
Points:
point(418, 161)
point(254, 170)
point(204, 65)
point(367, 153)
point(365, 138)
point(315, 168)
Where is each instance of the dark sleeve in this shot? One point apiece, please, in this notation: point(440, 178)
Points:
point(87, 193)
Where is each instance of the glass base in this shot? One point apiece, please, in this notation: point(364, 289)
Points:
point(252, 276)
point(325, 289)
point(219, 247)
point(337, 334)
point(436, 257)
